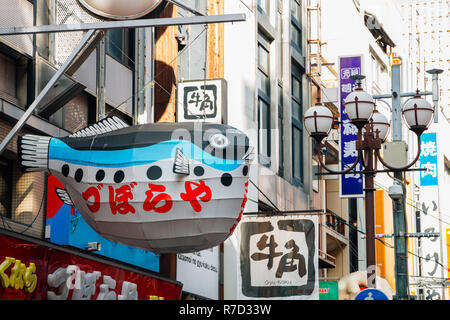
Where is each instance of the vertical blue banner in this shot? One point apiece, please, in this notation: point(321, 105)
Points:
point(351, 185)
point(428, 160)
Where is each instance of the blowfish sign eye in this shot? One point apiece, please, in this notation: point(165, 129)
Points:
point(219, 141)
point(121, 9)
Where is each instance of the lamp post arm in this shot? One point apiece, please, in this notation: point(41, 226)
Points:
point(319, 154)
point(386, 103)
point(377, 153)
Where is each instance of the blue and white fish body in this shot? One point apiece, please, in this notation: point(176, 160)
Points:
point(162, 187)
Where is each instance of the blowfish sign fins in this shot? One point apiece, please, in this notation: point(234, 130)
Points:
point(103, 126)
point(181, 163)
point(64, 196)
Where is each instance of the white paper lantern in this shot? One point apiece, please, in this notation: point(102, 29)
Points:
point(380, 124)
point(418, 114)
point(359, 106)
point(318, 121)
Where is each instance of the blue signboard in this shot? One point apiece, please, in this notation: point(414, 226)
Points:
point(371, 294)
point(351, 185)
point(428, 159)
point(66, 226)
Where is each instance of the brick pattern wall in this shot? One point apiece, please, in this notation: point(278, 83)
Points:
point(28, 193)
point(76, 113)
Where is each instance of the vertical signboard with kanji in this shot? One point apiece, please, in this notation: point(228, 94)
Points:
point(278, 258)
point(201, 100)
point(428, 159)
point(351, 185)
point(430, 214)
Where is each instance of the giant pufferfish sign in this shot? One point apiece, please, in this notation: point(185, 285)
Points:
point(162, 187)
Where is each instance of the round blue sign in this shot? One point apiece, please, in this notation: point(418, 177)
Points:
point(371, 294)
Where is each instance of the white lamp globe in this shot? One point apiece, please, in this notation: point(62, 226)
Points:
point(359, 106)
point(318, 121)
point(381, 125)
point(418, 113)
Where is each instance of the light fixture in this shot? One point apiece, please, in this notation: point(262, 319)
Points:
point(418, 114)
point(318, 121)
point(381, 125)
point(359, 106)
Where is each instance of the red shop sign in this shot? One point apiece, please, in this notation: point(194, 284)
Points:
point(30, 271)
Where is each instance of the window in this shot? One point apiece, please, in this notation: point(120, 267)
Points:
point(280, 132)
point(280, 92)
point(296, 25)
point(264, 5)
point(296, 10)
point(15, 76)
point(297, 126)
point(120, 45)
point(263, 101)
point(5, 187)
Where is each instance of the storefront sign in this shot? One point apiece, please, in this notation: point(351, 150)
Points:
point(328, 290)
point(161, 187)
point(430, 215)
point(351, 185)
point(428, 160)
point(203, 100)
point(199, 272)
point(29, 271)
point(66, 226)
point(278, 258)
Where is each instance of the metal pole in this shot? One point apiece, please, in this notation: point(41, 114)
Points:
point(158, 22)
point(370, 224)
point(435, 91)
point(101, 80)
point(46, 89)
point(399, 212)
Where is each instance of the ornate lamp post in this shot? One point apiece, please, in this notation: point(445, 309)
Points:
point(373, 128)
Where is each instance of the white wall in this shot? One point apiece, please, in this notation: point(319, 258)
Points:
point(240, 73)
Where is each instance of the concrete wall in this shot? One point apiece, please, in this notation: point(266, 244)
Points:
point(240, 73)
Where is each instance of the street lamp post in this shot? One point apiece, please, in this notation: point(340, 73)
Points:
point(373, 128)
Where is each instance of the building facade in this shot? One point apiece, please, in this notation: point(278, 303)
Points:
point(426, 34)
point(267, 71)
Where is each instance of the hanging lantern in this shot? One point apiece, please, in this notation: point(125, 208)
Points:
point(418, 114)
point(142, 186)
point(380, 125)
point(318, 121)
point(359, 106)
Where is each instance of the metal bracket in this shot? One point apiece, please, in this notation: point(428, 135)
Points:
point(144, 23)
point(46, 89)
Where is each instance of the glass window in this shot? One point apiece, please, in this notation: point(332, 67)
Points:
point(296, 37)
point(297, 154)
point(264, 128)
point(297, 126)
point(120, 45)
point(263, 70)
point(296, 10)
point(296, 98)
point(264, 100)
point(264, 5)
point(5, 187)
point(280, 132)
point(280, 47)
